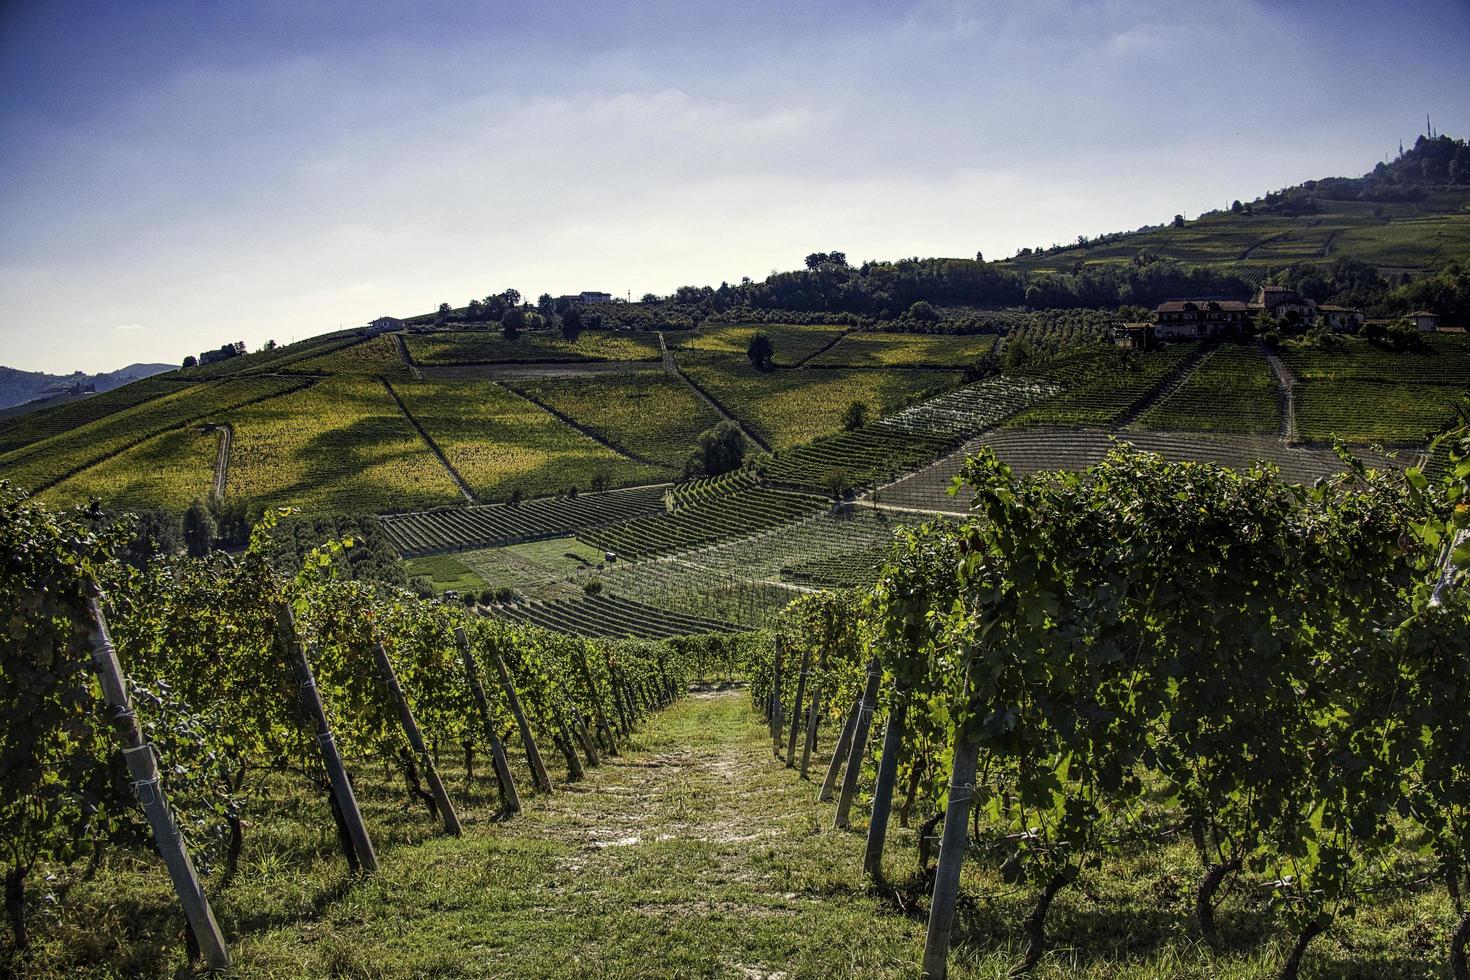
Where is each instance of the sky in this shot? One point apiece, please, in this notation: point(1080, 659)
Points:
point(174, 176)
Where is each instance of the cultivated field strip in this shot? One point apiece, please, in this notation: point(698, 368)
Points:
point(1231, 390)
point(746, 580)
point(464, 528)
point(1046, 449)
point(736, 514)
point(34, 426)
point(46, 463)
point(608, 616)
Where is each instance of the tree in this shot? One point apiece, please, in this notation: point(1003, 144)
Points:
point(648, 298)
point(571, 324)
point(198, 529)
point(761, 351)
point(1236, 207)
point(543, 303)
point(979, 256)
point(191, 361)
point(855, 416)
point(923, 312)
point(718, 449)
point(443, 314)
point(512, 322)
point(512, 297)
point(269, 345)
point(1178, 221)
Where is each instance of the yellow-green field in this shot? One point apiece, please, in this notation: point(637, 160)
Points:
point(340, 446)
point(792, 342)
point(500, 443)
point(655, 416)
point(872, 349)
point(491, 347)
point(169, 470)
point(376, 356)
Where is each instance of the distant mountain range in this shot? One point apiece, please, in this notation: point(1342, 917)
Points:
point(18, 388)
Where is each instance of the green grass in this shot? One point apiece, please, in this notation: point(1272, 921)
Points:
point(873, 349)
point(1104, 387)
point(531, 563)
point(694, 854)
point(377, 356)
point(786, 408)
point(499, 442)
point(652, 415)
point(1232, 391)
point(444, 572)
point(491, 347)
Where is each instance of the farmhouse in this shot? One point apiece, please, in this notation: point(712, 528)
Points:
point(1193, 319)
point(1341, 318)
point(1281, 303)
point(1135, 336)
point(1424, 321)
point(585, 297)
point(383, 324)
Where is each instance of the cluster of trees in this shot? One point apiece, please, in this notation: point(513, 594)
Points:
point(719, 449)
point(225, 352)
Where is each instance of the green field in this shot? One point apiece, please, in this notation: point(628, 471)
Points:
point(654, 416)
point(792, 342)
point(873, 349)
point(1103, 386)
point(501, 443)
point(170, 470)
point(22, 430)
point(491, 347)
point(39, 465)
point(377, 356)
point(786, 408)
point(340, 446)
point(444, 572)
point(1361, 393)
point(1233, 390)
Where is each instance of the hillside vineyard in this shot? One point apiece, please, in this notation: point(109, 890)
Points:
point(1096, 610)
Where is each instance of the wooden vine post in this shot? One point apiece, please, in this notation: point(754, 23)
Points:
point(533, 756)
point(952, 848)
point(416, 740)
point(510, 799)
point(839, 752)
point(311, 702)
point(859, 746)
point(813, 717)
point(806, 666)
point(143, 768)
point(776, 697)
point(883, 790)
point(609, 741)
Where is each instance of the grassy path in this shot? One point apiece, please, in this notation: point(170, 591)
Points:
point(694, 854)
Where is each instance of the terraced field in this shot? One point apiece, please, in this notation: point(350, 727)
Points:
point(1365, 394)
point(792, 342)
point(465, 528)
point(608, 616)
point(169, 470)
point(1110, 391)
point(500, 443)
point(786, 408)
point(872, 349)
point(491, 347)
point(340, 446)
point(1232, 390)
point(732, 515)
point(654, 415)
point(41, 464)
point(22, 430)
point(1043, 449)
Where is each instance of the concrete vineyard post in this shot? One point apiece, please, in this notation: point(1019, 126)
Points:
point(859, 746)
point(143, 769)
point(311, 702)
point(416, 739)
point(883, 790)
point(839, 752)
point(951, 856)
point(603, 727)
point(806, 666)
point(533, 757)
point(813, 717)
point(510, 799)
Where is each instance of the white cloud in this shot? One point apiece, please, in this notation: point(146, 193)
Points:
point(130, 327)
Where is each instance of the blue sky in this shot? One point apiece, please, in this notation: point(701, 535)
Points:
point(176, 176)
